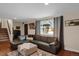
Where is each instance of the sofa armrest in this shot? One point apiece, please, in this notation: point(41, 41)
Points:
point(56, 47)
point(53, 43)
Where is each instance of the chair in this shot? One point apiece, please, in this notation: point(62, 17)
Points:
point(20, 40)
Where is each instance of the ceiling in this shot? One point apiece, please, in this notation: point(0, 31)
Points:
point(25, 11)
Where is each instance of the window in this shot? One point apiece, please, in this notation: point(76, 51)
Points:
point(47, 27)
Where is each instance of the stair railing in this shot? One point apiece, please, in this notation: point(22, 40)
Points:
point(8, 27)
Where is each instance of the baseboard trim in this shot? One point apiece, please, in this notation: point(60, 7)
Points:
point(73, 50)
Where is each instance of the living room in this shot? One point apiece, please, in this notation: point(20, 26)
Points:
point(50, 29)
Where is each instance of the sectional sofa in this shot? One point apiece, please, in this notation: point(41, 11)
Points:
point(50, 44)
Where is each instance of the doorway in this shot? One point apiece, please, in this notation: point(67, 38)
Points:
point(26, 29)
point(0, 23)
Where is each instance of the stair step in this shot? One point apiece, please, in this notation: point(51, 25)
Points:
point(3, 32)
point(4, 40)
point(3, 35)
point(3, 29)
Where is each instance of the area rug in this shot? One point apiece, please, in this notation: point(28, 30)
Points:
point(39, 52)
point(42, 53)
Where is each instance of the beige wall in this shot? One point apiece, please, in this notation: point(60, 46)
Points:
point(71, 33)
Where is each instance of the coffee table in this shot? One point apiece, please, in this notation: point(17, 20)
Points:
point(26, 49)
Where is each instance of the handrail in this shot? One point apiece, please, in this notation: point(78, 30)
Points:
point(8, 27)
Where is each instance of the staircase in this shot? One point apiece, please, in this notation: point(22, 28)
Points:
point(3, 34)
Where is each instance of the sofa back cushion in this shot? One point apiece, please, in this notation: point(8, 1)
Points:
point(45, 39)
point(37, 37)
point(51, 39)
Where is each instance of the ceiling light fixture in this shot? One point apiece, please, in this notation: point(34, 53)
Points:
point(46, 3)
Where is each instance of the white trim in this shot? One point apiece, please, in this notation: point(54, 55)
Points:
point(70, 49)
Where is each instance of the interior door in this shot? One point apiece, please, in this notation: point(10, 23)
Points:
point(26, 29)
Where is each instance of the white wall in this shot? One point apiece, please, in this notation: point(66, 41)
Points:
point(0, 20)
point(21, 26)
point(4, 23)
point(71, 33)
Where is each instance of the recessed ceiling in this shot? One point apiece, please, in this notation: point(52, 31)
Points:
point(35, 10)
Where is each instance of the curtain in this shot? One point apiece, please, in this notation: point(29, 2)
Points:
point(57, 27)
point(59, 30)
point(37, 29)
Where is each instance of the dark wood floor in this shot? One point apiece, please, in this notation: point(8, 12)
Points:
point(5, 48)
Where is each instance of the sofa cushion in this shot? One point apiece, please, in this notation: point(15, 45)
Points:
point(40, 42)
point(35, 41)
point(44, 39)
point(22, 37)
point(37, 37)
point(48, 39)
point(43, 43)
point(51, 39)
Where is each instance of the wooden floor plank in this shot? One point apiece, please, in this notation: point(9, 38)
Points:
point(67, 53)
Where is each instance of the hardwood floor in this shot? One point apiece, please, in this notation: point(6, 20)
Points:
point(5, 48)
point(67, 53)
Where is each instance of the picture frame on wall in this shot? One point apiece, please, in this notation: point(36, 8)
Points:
point(32, 25)
point(17, 27)
point(74, 22)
